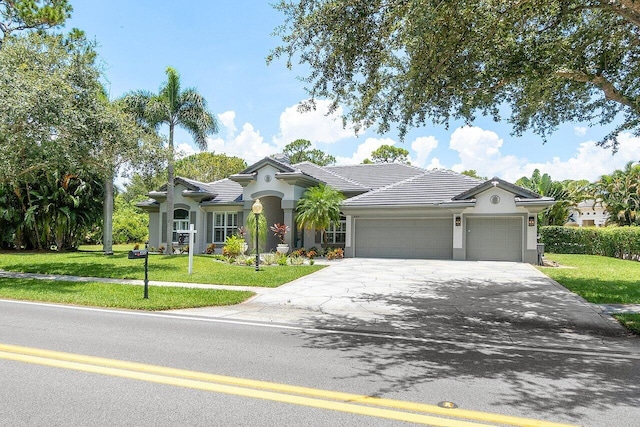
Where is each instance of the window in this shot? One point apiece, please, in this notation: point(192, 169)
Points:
point(180, 224)
point(225, 224)
point(337, 232)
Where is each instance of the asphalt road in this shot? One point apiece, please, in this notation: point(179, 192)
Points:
point(590, 387)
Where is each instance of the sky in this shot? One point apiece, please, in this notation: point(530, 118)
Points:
point(220, 49)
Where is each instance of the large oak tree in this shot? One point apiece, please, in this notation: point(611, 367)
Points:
point(409, 62)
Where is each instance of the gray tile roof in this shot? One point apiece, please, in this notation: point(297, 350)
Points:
point(429, 188)
point(330, 178)
point(376, 175)
point(227, 192)
point(197, 185)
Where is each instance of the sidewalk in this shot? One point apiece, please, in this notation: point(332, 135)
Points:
point(255, 289)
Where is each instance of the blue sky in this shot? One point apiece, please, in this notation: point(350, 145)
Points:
point(219, 47)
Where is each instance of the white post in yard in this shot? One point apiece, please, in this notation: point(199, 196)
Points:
point(191, 239)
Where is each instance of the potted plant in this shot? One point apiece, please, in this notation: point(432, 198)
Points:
point(280, 230)
point(242, 232)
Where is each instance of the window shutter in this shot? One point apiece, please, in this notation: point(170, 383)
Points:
point(164, 227)
point(192, 218)
point(209, 227)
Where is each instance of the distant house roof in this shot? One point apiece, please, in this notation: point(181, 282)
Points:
point(429, 188)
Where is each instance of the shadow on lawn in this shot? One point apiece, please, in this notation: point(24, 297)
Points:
point(132, 270)
point(459, 318)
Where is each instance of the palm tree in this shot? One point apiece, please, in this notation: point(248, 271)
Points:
point(620, 193)
point(545, 186)
point(318, 207)
point(173, 107)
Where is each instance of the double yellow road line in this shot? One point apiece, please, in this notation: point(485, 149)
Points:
point(304, 396)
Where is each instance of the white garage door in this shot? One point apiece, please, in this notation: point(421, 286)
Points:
point(494, 239)
point(404, 238)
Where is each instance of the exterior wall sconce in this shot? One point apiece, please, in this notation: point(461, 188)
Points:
point(458, 221)
point(532, 221)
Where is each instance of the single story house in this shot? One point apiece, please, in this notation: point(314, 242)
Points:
point(391, 210)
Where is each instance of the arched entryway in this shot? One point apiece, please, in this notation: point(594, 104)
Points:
point(272, 209)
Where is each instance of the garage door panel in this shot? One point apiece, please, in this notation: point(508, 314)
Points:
point(404, 238)
point(494, 239)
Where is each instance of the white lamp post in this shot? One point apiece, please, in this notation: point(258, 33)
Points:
point(257, 210)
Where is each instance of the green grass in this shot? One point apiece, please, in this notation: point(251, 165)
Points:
point(92, 263)
point(631, 321)
point(116, 296)
point(600, 280)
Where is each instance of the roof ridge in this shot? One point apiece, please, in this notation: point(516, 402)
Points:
point(379, 164)
point(324, 169)
point(386, 187)
point(452, 172)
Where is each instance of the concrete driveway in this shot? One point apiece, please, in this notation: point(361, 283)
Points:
point(500, 301)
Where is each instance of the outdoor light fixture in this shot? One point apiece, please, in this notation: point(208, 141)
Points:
point(458, 221)
point(257, 210)
point(532, 221)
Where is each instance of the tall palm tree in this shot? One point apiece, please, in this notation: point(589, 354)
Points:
point(173, 107)
point(318, 207)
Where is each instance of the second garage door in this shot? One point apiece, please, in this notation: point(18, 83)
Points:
point(404, 238)
point(494, 239)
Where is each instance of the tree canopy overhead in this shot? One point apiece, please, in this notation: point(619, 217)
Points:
point(409, 62)
point(18, 15)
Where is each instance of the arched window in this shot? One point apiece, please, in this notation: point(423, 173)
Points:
point(180, 223)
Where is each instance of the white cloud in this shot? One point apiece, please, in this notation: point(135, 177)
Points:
point(364, 151)
point(315, 125)
point(590, 161)
point(248, 144)
point(580, 130)
point(480, 150)
point(227, 120)
point(423, 146)
point(435, 164)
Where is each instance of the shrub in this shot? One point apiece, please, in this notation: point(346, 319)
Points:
point(282, 260)
point(279, 230)
point(130, 224)
point(233, 246)
point(299, 252)
point(336, 253)
point(211, 249)
point(270, 258)
point(619, 242)
point(296, 260)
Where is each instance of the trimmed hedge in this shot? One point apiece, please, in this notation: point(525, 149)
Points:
point(618, 242)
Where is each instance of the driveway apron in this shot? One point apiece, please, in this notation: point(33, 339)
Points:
point(482, 300)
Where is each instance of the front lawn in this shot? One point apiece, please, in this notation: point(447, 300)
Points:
point(600, 280)
point(116, 296)
point(162, 268)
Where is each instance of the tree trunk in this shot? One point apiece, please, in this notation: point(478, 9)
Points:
point(107, 216)
point(170, 186)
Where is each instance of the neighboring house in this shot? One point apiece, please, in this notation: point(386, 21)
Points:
point(392, 210)
point(588, 213)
